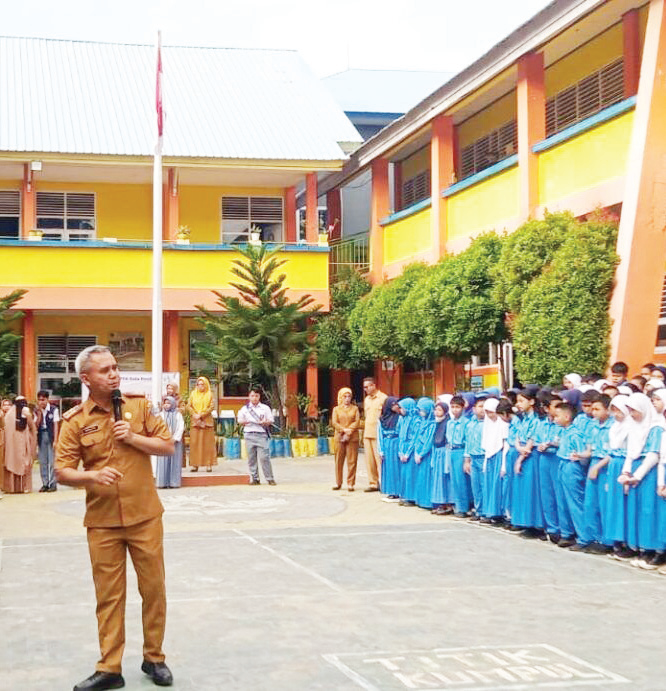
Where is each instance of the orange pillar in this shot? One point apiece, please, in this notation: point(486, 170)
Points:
point(379, 209)
point(171, 342)
point(28, 359)
point(531, 98)
point(312, 386)
point(311, 217)
point(445, 376)
point(631, 52)
point(636, 299)
point(28, 202)
point(292, 390)
point(441, 174)
point(290, 234)
point(171, 206)
point(334, 214)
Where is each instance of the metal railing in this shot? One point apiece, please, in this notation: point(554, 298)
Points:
point(352, 252)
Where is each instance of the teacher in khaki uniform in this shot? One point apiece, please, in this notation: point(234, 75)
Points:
point(372, 407)
point(123, 511)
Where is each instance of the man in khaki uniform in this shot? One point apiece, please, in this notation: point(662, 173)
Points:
point(372, 406)
point(123, 511)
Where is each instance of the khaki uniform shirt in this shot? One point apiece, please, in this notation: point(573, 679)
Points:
point(86, 436)
point(372, 406)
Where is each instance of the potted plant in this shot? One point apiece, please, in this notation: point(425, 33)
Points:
point(35, 235)
point(183, 235)
point(322, 432)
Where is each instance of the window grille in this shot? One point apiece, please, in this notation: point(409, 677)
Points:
point(416, 189)
point(58, 353)
point(240, 213)
point(662, 313)
point(595, 92)
point(66, 215)
point(489, 149)
point(10, 213)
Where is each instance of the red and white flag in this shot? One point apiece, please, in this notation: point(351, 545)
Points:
point(158, 89)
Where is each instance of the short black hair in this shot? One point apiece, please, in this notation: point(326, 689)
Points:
point(43, 393)
point(372, 379)
point(648, 365)
point(528, 393)
point(255, 388)
point(604, 399)
point(633, 387)
point(567, 407)
point(641, 378)
point(504, 407)
point(457, 400)
point(511, 395)
point(590, 396)
point(620, 368)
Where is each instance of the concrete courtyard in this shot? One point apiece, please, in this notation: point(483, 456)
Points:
point(297, 587)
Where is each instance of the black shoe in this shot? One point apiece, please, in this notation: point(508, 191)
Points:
point(272, 482)
point(255, 482)
point(44, 489)
point(52, 489)
point(485, 520)
point(579, 547)
point(337, 487)
point(515, 528)
point(597, 548)
point(474, 517)
point(158, 672)
point(371, 489)
point(101, 680)
point(566, 542)
point(554, 537)
point(528, 534)
point(460, 514)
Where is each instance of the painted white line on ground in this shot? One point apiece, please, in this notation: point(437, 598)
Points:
point(291, 562)
point(348, 672)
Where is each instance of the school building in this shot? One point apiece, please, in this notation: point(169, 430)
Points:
point(566, 113)
point(244, 131)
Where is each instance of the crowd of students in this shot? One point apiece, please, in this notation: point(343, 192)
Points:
point(583, 466)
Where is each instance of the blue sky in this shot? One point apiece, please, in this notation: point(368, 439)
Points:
point(441, 35)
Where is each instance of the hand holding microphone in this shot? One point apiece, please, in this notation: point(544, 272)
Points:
point(121, 428)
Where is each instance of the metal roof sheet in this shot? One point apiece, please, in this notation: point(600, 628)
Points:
point(84, 97)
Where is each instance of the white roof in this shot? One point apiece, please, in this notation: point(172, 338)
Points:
point(85, 97)
point(383, 91)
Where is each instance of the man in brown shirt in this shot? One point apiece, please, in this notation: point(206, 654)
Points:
point(372, 406)
point(123, 511)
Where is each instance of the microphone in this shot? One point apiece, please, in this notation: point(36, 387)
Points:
point(117, 400)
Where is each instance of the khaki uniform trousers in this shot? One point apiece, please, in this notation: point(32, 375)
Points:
point(108, 554)
point(373, 461)
point(348, 450)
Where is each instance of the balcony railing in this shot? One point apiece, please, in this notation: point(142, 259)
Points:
point(353, 252)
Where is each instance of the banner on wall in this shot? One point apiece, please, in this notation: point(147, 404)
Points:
point(128, 347)
point(140, 383)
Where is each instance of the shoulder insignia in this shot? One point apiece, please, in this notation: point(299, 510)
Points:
point(72, 412)
point(134, 395)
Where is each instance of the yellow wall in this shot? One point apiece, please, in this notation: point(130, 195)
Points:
point(10, 184)
point(407, 237)
point(485, 121)
point(201, 208)
point(479, 207)
point(589, 58)
point(131, 268)
point(416, 163)
point(592, 157)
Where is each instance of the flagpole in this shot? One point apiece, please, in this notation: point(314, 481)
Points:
point(157, 242)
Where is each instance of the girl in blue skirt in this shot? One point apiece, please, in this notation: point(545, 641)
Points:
point(387, 445)
point(493, 440)
point(423, 452)
point(506, 412)
point(407, 430)
point(441, 497)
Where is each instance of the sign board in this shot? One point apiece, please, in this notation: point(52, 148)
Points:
point(139, 383)
point(476, 383)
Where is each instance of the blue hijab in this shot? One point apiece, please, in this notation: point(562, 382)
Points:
point(572, 396)
point(388, 418)
point(470, 400)
point(427, 420)
point(408, 421)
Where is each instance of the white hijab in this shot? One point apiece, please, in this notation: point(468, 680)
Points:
point(638, 431)
point(617, 434)
point(494, 431)
point(445, 398)
point(599, 385)
point(574, 379)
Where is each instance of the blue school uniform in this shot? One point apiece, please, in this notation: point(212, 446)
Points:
point(407, 430)
point(526, 500)
point(455, 449)
point(474, 451)
point(387, 445)
point(548, 432)
point(595, 496)
point(492, 484)
point(583, 423)
point(643, 513)
point(508, 462)
point(571, 483)
point(442, 491)
point(614, 503)
point(423, 449)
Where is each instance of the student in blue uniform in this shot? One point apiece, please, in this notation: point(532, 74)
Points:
point(423, 452)
point(571, 477)
point(506, 412)
point(639, 477)
point(615, 500)
point(598, 451)
point(441, 497)
point(585, 421)
point(548, 441)
point(474, 455)
point(455, 449)
point(526, 502)
point(387, 446)
point(493, 441)
point(407, 430)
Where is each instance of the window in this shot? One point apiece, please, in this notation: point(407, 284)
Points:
point(66, 215)
point(590, 95)
point(10, 213)
point(300, 219)
point(489, 149)
point(240, 213)
point(230, 384)
point(56, 356)
point(415, 189)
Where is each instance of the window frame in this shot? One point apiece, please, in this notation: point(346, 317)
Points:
point(17, 215)
point(66, 232)
point(250, 220)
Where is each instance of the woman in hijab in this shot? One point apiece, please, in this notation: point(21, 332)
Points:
point(493, 441)
point(407, 430)
point(387, 445)
point(168, 469)
point(20, 447)
point(572, 381)
point(639, 479)
point(441, 497)
point(423, 452)
point(345, 420)
point(5, 405)
point(202, 433)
